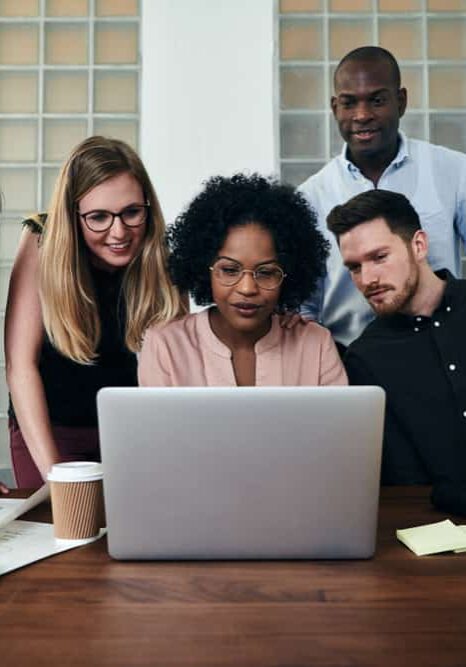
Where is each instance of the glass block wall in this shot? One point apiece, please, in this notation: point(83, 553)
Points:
point(68, 69)
point(428, 38)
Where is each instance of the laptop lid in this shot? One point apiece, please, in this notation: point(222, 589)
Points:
point(241, 472)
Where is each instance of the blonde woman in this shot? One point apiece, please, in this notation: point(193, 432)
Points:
point(88, 279)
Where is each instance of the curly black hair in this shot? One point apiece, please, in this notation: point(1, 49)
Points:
point(200, 231)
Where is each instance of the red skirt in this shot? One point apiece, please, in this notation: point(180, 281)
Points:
point(74, 443)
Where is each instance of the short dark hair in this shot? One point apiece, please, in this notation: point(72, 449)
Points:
point(393, 207)
point(200, 231)
point(366, 54)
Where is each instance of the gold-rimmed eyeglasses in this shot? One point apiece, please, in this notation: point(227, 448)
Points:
point(267, 276)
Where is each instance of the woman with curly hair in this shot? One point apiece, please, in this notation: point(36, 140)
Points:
point(88, 278)
point(250, 246)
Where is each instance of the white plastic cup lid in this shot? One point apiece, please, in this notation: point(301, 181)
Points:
point(75, 471)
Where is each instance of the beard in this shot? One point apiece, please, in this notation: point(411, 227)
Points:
point(401, 298)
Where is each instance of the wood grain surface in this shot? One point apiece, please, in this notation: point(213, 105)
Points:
point(82, 608)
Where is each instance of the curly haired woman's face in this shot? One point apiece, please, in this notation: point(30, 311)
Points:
point(245, 307)
point(115, 247)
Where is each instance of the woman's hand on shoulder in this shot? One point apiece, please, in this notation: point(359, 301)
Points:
point(3, 488)
point(289, 319)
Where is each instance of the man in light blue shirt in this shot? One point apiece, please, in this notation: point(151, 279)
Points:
point(368, 104)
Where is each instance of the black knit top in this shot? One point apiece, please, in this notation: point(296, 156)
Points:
point(70, 387)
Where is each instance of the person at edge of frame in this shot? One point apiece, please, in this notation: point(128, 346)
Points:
point(414, 348)
point(367, 104)
point(89, 277)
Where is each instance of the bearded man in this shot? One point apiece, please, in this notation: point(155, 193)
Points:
point(415, 348)
point(368, 103)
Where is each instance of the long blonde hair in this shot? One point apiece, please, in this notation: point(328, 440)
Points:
point(68, 301)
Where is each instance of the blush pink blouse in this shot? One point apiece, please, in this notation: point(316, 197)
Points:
point(186, 353)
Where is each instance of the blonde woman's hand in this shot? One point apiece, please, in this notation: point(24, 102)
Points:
point(4, 488)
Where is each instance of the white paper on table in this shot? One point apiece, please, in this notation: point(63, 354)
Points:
point(12, 508)
point(25, 542)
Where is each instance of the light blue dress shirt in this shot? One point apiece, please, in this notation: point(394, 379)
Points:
point(434, 180)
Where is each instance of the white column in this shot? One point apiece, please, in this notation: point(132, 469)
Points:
point(207, 94)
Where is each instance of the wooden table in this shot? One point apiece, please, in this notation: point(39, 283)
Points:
point(82, 608)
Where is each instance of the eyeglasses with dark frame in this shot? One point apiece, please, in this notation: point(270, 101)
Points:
point(267, 276)
point(100, 220)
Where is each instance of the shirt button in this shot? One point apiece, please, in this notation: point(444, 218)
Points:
point(436, 324)
point(418, 319)
point(452, 367)
point(416, 329)
point(448, 309)
point(464, 413)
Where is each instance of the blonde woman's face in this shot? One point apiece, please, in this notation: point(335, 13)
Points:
point(115, 247)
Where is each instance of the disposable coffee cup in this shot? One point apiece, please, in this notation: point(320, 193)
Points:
point(76, 491)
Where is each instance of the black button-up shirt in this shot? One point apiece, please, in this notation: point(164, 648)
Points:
point(421, 363)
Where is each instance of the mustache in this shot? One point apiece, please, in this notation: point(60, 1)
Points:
point(370, 291)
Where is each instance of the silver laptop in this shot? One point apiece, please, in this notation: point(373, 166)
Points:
point(250, 472)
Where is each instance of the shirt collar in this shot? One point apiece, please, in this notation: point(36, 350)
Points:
point(450, 300)
point(401, 156)
point(454, 289)
point(267, 342)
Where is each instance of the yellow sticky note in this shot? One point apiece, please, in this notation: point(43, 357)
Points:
point(460, 551)
point(433, 538)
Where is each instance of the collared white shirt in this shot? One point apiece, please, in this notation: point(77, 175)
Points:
point(434, 180)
